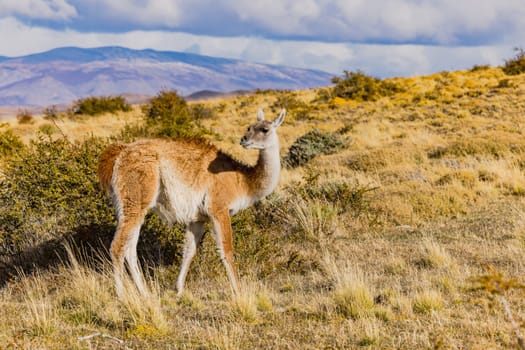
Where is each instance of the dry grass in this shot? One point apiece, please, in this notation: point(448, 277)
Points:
point(428, 301)
point(352, 294)
point(77, 128)
point(447, 158)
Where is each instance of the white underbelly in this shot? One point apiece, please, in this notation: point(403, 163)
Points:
point(178, 202)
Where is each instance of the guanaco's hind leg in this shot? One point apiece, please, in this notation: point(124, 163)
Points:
point(123, 247)
point(135, 190)
point(192, 238)
point(223, 238)
point(131, 258)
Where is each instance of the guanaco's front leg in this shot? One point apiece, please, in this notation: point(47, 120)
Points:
point(192, 238)
point(224, 239)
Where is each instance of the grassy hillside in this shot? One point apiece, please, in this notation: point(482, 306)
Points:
point(411, 236)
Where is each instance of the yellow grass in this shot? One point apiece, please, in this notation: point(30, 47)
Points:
point(428, 301)
point(76, 128)
point(448, 170)
point(353, 298)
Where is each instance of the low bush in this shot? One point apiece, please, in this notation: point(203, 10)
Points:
point(504, 84)
point(168, 115)
point(166, 105)
point(50, 193)
point(301, 219)
point(294, 106)
point(466, 178)
point(361, 87)
point(323, 95)
point(472, 147)
point(47, 129)
point(515, 65)
point(480, 67)
point(47, 192)
point(200, 111)
point(99, 105)
point(348, 197)
point(51, 113)
point(25, 117)
point(10, 144)
point(311, 145)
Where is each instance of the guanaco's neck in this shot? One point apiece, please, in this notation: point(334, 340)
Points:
point(267, 171)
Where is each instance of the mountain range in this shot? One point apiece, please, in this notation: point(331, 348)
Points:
point(62, 75)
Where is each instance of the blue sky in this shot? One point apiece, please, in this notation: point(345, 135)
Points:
point(382, 38)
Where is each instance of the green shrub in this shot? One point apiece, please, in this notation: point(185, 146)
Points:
point(166, 105)
point(504, 84)
point(10, 144)
point(471, 147)
point(47, 192)
point(51, 113)
point(323, 95)
point(480, 67)
point(298, 219)
point(25, 117)
point(294, 107)
point(348, 197)
point(311, 145)
point(168, 115)
point(361, 87)
point(47, 129)
point(99, 105)
point(515, 65)
point(50, 194)
point(200, 111)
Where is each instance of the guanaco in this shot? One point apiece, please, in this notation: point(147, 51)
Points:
point(190, 182)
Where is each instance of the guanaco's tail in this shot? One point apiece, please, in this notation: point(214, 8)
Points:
point(106, 164)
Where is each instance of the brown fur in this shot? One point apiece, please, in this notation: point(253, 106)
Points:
point(106, 164)
point(186, 181)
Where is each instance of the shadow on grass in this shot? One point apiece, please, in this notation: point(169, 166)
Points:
point(92, 241)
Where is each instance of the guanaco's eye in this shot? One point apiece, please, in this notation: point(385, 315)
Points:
point(265, 130)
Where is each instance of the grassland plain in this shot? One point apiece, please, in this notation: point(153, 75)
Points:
point(407, 238)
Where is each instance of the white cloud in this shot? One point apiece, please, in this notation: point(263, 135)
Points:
point(379, 60)
point(148, 12)
point(443, 22)
point(38, 9)
point(439, 21)
point(281, 17)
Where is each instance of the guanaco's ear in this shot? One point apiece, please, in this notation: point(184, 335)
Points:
point(260, 115)
point(279, 120)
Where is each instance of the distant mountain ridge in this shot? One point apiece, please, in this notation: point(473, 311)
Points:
point(81, 55)
point(62, 75)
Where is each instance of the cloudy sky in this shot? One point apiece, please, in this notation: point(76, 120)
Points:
point(381, 38)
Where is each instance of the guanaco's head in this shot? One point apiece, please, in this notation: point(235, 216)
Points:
point(262, 134)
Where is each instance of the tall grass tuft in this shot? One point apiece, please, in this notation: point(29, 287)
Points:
point(428, 301)
point(434, 255)
point(249, 301)
point(39, 316)
point(88, 297)
point(145, 310)
point(352, 295)
point(314, 219)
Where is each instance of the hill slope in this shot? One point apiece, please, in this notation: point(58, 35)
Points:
point(65, 74)
point(384, 244)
